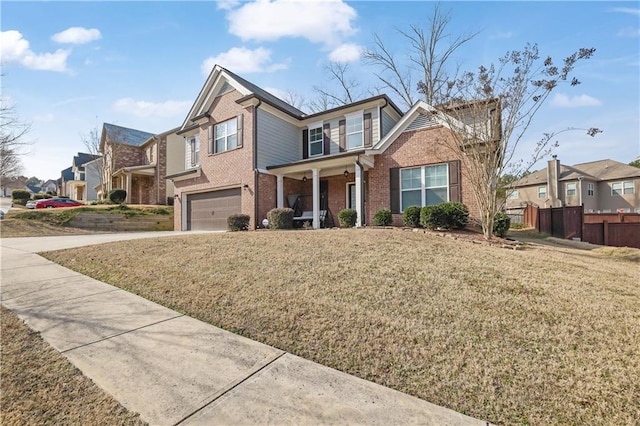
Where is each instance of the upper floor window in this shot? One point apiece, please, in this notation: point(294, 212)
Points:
point(424, 186)
point(355, 135)
point(591, 189)
point(571, 189)
point(81, 175)
point(542, 192)
point(226, 135)
point(316, 140)
point(622, 188)
point(150, 155)
point(514, 194)
point(194, 149)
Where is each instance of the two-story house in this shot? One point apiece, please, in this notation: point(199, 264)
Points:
point(604, 186)
point(135, 161)
point(86, 176)
point(247, 151)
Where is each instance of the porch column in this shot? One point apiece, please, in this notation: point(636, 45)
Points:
point(279, 191)
point(316, 198)
point(128, 189)
point(359, 193)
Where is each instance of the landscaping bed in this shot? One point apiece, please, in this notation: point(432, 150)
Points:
point(540, 335)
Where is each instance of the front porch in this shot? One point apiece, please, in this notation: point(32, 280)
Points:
point(139, 182)
point(318, 189)
point(77, 190)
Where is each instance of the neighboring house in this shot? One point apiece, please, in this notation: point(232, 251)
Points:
point(135, 161)
point(11, 184)
point(604, 186)
point(66, 176)
point(85, 170)
point(50, 186)
point(33, 189)
point(246, 151)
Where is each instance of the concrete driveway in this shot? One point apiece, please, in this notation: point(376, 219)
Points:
point(173, 369)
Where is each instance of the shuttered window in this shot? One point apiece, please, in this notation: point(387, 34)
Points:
point(424, 186)
point(316, 140)
point(194, 149)
point(226, 135)
point(354, 131)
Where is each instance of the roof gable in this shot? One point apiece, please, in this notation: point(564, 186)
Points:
point(420, 114)
point(600, 170)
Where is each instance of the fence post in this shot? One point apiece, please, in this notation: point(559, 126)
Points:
point(605, 231)
point(581, 222)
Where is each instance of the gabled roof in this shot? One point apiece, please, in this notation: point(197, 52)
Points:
point(125, 135)
point(83, 158)
point(600, 170)
point(420, 108)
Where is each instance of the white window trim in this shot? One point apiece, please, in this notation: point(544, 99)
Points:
point(347, 117)
point(195, 139)
point(226, 136)
point(514, 194)
point(622, 186)
point(573, 187)
point(545, 192)
point(313, 126)
point(591, 189)
point(423, 183)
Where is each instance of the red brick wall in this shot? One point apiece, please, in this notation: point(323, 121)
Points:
point(416, 148)
point(228, 169)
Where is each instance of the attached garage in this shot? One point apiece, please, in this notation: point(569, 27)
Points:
point(208, 211)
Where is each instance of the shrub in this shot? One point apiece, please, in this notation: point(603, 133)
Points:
point(20, 194)
point(238, 222)
point(382, 217)
point(117, 196)
point(347, 218)
point(20, 202)
point(280, 218)
point(411, 216)
point(501, 223)
point(445, 216)
point(41, 196)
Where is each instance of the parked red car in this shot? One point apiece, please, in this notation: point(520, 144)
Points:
point(57, 202)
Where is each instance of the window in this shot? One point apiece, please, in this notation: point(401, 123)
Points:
point(424, 186)
point(355, 136)
point(150, 154)
point(81, 175)
point(316, 140)
point(571, 189)
point(622, 188)
point(542, 192)
point(514, 195)
point(590, 189)
point(226, 135)
point(194, 149)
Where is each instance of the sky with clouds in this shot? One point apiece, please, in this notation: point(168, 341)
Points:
point(67, 67)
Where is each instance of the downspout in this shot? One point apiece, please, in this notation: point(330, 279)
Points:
point(361, 202)
point(255, 165)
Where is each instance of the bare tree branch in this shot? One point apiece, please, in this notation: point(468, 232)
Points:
point(13, 141)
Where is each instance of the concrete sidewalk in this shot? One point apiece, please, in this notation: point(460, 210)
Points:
point(173, 369)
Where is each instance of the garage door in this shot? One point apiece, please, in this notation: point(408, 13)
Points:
point(209, 210)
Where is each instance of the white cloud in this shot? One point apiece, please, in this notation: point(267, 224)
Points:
point(630, 32)
point(347, 52)
point(561, 100)
point(227, 4)
point(152, 109)
point(14, 48)
point(501, 35)
point(243, 60)
point(77, 35)
point(326, 22)
point(629, 10)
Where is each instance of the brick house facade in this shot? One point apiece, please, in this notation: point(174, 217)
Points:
point(246, 151)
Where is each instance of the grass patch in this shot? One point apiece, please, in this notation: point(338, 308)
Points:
point(13, 228)
point(624, 253)
point(540, 336)
point(39, 385)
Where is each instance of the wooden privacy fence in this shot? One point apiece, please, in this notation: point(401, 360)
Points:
point(610, 229)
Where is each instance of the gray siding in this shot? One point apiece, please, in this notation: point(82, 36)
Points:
point(279, 142)
point(420, 122)
point(92, 177)
point(387, 123)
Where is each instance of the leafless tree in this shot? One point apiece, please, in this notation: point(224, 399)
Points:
point(429, 57)
point(91, 141)
point(489, 112)
point(13, 142)
point(348, 88)
point(294, 99)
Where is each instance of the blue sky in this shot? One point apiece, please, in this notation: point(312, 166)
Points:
point(70, 66)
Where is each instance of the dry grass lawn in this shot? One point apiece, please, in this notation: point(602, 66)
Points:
point(39, 386)
point(539, 336)
point(11, 228)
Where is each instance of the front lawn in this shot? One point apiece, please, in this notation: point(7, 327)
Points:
point(543, 335)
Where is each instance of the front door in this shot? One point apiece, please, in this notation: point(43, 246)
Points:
point(324, 195)
point(351, 198)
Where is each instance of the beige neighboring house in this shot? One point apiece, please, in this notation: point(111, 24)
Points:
point(135, 161)
point(604, 186)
